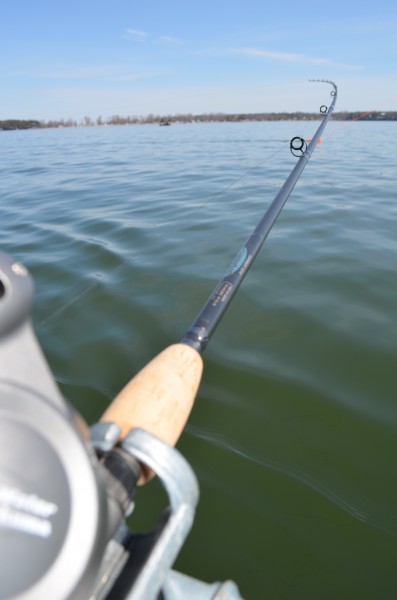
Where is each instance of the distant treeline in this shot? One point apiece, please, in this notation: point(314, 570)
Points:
point(18, 124)
point(190, 118)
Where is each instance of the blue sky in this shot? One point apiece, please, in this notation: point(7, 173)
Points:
point(85, 57)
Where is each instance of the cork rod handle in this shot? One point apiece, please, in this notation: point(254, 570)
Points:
point(160, 397)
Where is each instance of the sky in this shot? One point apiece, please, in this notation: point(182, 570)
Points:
point(61, 60)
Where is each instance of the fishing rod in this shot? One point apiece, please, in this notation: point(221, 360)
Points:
point(160, 397)
point(199, 333)
point(65, 490)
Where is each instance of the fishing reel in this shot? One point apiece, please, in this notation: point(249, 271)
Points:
point(65, 489)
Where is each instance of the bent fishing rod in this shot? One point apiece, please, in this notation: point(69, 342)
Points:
point(160, 397)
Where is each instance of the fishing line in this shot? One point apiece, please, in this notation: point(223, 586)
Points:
point(198, 207)
point(243, 176)
point(361, 116)
point(65, 306)
point(233, 183)
point(367, 512)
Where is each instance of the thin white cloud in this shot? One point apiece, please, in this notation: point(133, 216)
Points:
point(135, 34)
point(143, 36)
point(74, 72)
point(292, 58)
point(111, 73)
point(168, 39)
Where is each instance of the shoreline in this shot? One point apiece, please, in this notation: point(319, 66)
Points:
point(17, 124)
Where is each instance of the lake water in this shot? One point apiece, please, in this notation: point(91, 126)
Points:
point(293, 437)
